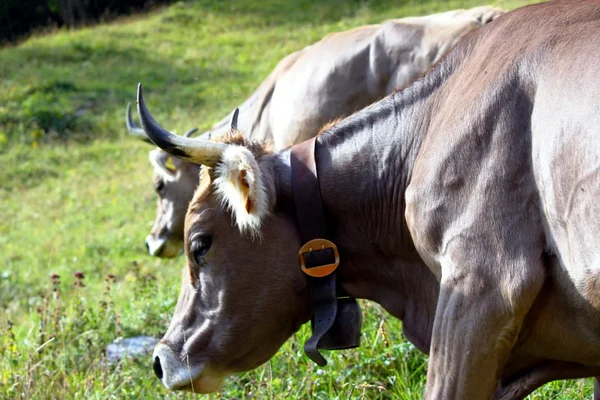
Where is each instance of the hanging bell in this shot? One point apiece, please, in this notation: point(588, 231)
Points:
point(345, 332)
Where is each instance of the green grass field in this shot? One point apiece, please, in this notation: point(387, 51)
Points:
point(76, 196)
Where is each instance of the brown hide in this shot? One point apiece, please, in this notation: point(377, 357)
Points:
point(332, 78)
point(466, 204)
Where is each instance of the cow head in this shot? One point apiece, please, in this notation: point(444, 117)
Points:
point(243, 294)
point(174, 181)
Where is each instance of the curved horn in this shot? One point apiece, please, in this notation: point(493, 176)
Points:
point(193, 150)
point(133, 128)
point(234, 120)
point(190, 132)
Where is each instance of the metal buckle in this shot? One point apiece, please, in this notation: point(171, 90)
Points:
point(316, 245)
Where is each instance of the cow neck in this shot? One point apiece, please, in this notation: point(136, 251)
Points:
point(336, 318)
point(365, 164)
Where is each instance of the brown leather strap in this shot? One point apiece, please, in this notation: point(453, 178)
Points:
point(311, 223)
point(307, 192)
point(336, 317)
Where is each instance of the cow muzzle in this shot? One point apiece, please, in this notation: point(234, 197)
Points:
point(159, 247)
point(177, 373)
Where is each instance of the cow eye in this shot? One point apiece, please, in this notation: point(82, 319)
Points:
point(159, 186)
point(199, 247)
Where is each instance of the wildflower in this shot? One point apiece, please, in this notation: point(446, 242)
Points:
point(150, 277)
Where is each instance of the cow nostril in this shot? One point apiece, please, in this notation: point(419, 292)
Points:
point(157, 368)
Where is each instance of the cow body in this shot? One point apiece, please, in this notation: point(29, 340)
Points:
point(466, 204)
point(501, 204)
point(332, 78)
point(346, 71)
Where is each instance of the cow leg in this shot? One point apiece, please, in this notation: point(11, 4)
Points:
point(525, 384)
point(596, 389)
point(478, 319)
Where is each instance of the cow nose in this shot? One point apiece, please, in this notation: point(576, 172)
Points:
point(155, 245)
point(157, 368)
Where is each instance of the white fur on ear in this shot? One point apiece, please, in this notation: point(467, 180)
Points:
point(160, 166)
point(240, 186)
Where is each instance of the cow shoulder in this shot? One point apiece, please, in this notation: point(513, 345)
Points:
point(394, 49)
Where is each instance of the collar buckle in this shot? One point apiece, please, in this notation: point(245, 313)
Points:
point(318, 248)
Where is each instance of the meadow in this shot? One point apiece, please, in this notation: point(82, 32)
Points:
point(77, 199)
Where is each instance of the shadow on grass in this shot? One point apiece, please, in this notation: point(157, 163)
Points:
point(74, 82)
point(301, 12)
point(290, 13)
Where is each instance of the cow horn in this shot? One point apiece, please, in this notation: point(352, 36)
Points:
point(133, 128)
point(190, 132)
point(193, 150)
point(137, 131)
point(234, 120)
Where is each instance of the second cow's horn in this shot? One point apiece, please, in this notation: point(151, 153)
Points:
point(193, 150)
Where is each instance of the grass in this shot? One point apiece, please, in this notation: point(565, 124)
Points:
point(77, 197)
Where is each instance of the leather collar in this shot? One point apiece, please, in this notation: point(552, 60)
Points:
point(336, 319)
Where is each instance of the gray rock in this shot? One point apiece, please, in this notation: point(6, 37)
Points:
point(137, 346)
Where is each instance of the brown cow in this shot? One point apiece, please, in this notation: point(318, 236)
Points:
point(467, 205)
point(336, 76)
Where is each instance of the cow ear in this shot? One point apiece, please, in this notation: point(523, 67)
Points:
point(240, 185)
point(164, 164)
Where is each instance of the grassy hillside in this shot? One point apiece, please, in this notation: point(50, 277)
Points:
point(77, 200)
